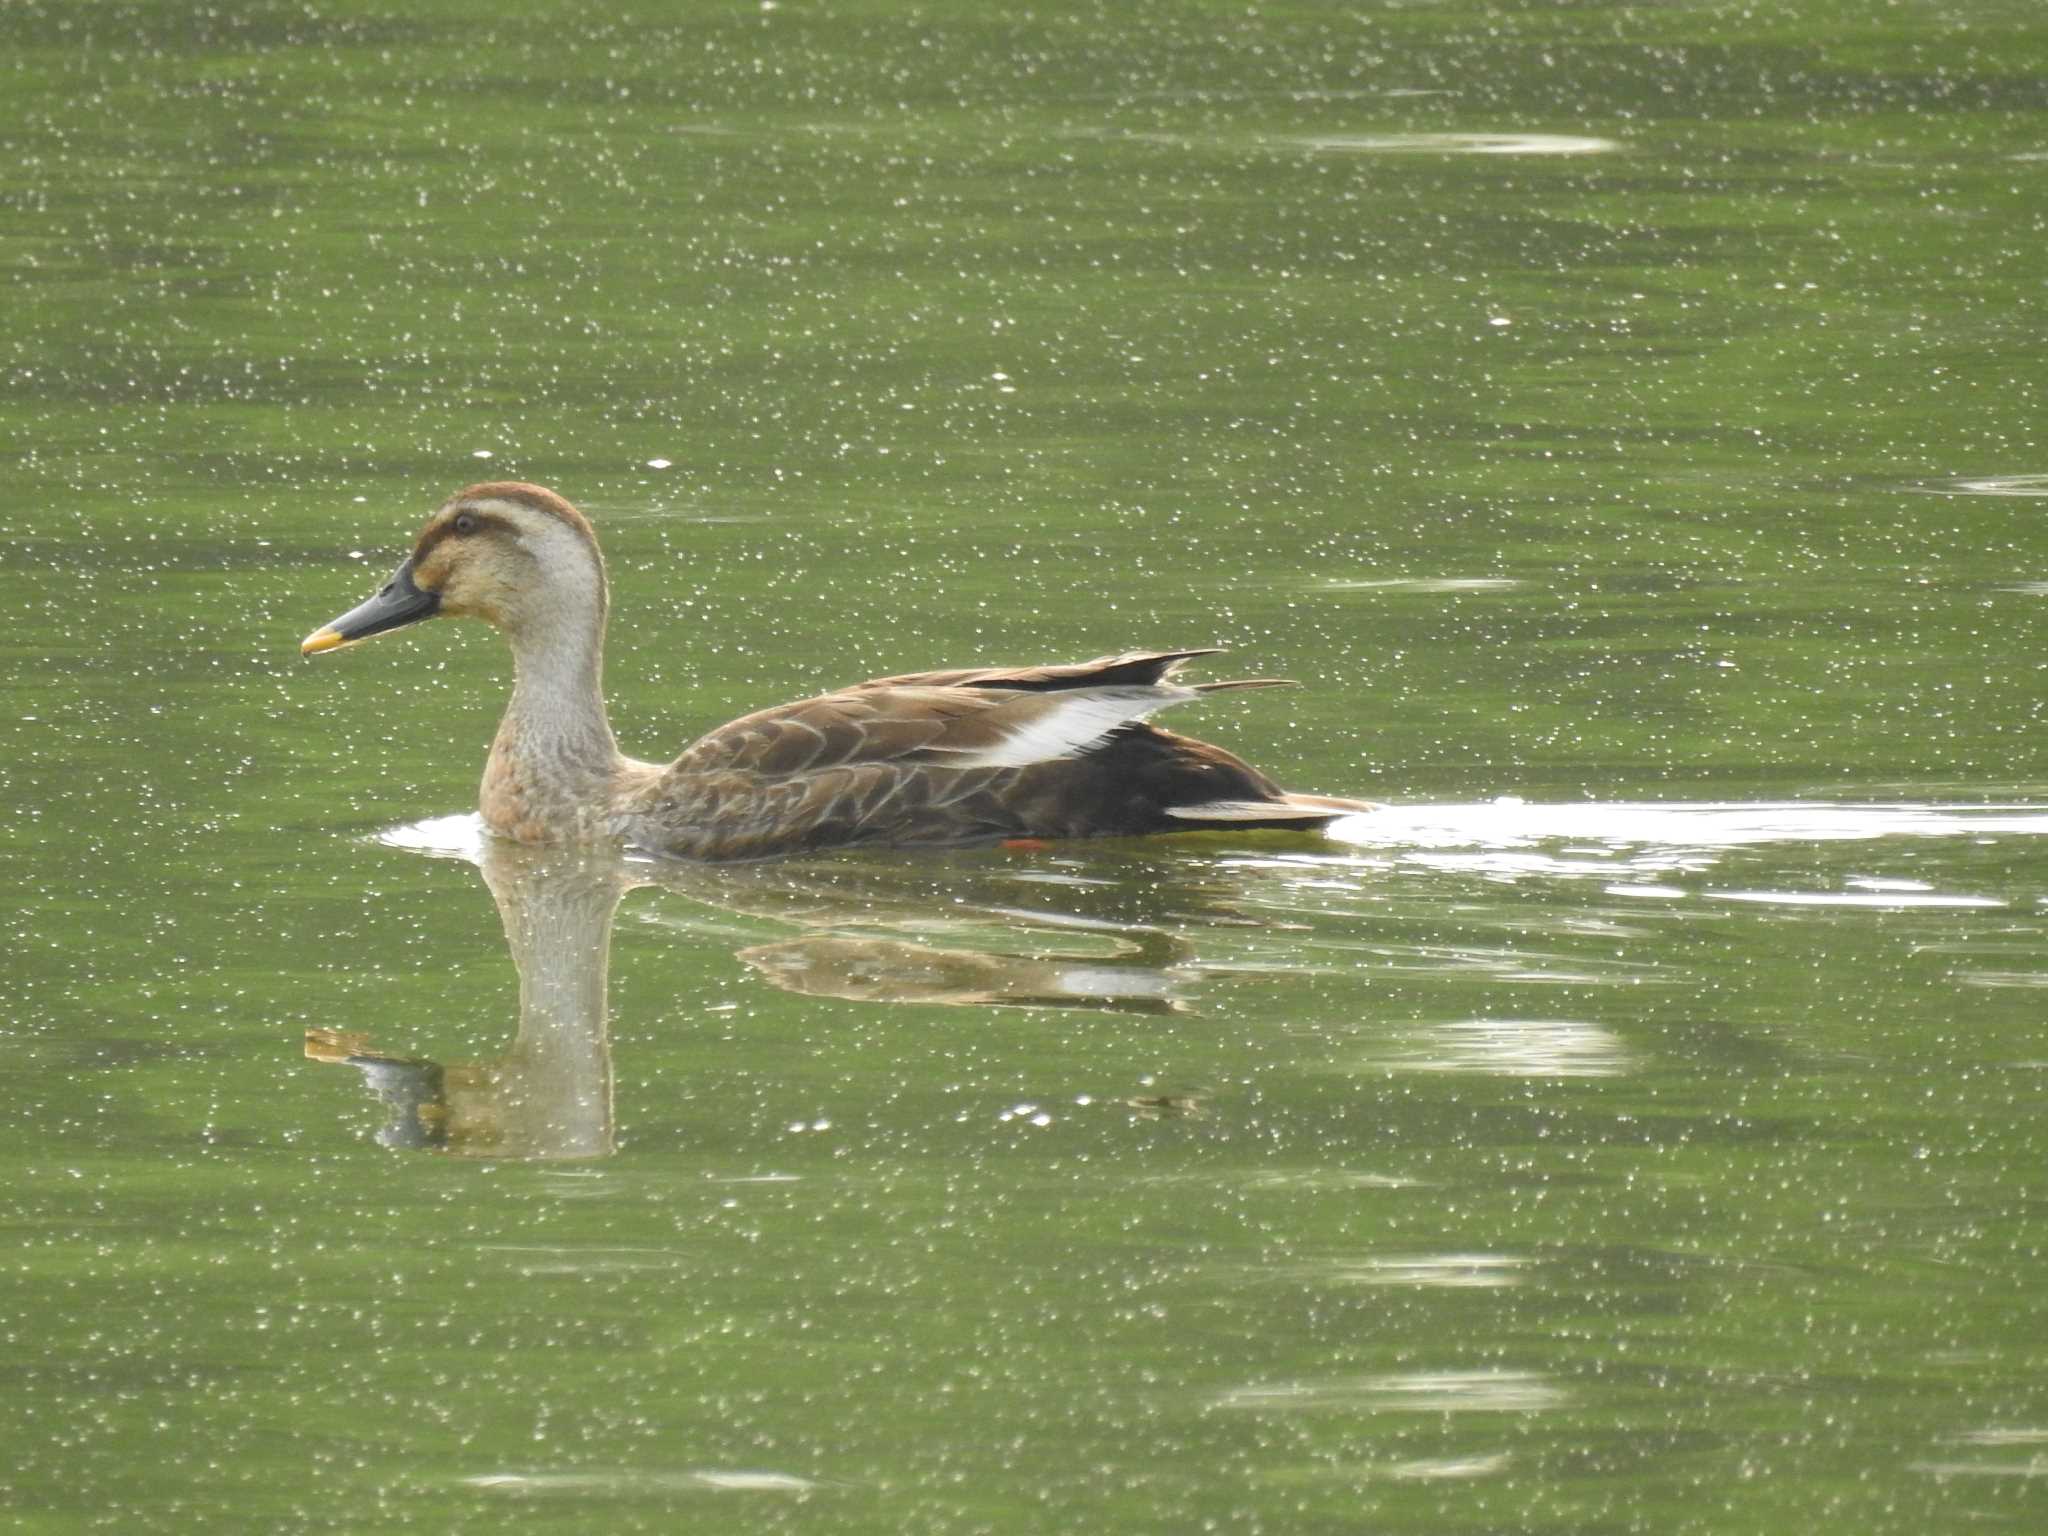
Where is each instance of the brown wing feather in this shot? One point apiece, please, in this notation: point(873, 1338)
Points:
point(919, 760)
point(1139, 667)
point(919, 719)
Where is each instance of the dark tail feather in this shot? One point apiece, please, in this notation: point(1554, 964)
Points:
point(1244, 682)
point(1130, 667)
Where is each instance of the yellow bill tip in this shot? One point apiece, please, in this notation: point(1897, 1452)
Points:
point(322, 639)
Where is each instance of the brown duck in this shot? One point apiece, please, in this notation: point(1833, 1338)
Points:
point(929, 759)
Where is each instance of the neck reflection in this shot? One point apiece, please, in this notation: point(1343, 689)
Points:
point(550, 1095)
point(961, 932)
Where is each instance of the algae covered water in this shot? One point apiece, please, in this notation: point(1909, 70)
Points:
point(1623, 422)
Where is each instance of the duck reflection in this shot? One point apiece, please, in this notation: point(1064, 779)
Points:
point(1142, 980)
point(550, 1095)
point(968, 930)
point(962, 931)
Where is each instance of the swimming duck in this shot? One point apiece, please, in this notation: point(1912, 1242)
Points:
point(929, 759)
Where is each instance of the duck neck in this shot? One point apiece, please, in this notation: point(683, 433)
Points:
point(554, 761)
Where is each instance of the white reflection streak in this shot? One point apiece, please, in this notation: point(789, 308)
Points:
point(627, 1481)
point(1988, 485)
point(1895, 902)
point(1427, 585)
point(2034, 1466)
point(1441, 1468)
point(1629, 845)
point(2005, 1435)
point(1417, 1392)
point(1453, 143)
point(1451, 1271)
point(1516, 1048)
point(1702, 826)
point(539, 1260)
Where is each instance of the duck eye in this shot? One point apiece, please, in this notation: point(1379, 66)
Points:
point(465, 522)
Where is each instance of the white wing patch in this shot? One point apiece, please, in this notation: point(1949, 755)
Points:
point(1040, 727)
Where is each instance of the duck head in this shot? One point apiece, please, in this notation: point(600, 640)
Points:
point(514, 555)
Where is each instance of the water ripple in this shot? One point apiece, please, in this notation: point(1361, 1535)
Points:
point(1987, 485)
point(1896, 901)
point(1433, 1469)
point(1446, 1271)
point(1416, 1392)
point(1426, 585)
point(1452, 143)
point(449, 837)
point(626, 1482)
point(1510, 823)
point(1514, 1048)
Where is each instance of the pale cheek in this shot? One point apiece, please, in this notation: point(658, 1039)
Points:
point(465, 598)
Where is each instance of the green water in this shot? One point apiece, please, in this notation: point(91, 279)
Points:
point(1624, 420)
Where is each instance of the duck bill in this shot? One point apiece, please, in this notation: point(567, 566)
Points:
point(400, 602)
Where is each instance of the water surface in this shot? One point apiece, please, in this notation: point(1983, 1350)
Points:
point(1622, 421)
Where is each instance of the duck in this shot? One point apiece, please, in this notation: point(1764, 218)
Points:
point(976, 756)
